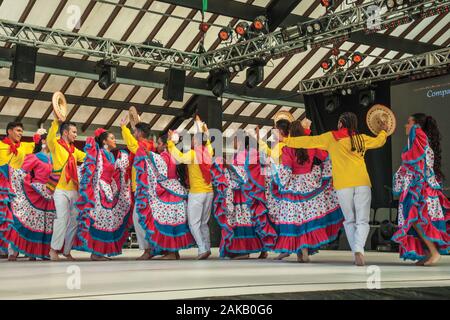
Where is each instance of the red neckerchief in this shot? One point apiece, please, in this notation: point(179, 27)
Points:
point(71, 166)
point(340, 134)
point(12, 146)
point(148, 145)
point(205, 162)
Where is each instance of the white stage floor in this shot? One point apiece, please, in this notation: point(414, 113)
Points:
point(124, 278)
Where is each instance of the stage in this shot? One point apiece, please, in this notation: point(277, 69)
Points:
point(124, 278)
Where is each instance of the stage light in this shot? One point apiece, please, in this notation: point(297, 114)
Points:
point(291, 33)
point(349, 91)
point(327, 3)
point(366, 98)
point(326, 64)
point(219, 82)
point(335, 52)
point(317, 26)
point(390, 4)
point(224, 34)
point(310, 28)
point(259, 23)
point(107, 73)
point(241, 28)
point(399, 2)
point(255, 74)
point(357, 58)
point(344, 92)
point(204, 27)
point(342, 61)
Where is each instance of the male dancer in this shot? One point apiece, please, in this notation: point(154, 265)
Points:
point(65, 157)
point(139, 138)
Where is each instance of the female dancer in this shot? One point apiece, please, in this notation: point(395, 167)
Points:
point(424, 211)
point(346, 148)
point(240, 204)
point(309, 213)
point(29, 225)
point(160, 202)
point(104, 205)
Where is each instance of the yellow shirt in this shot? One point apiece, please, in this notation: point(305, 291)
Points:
point(196, 182)
point(349, 168)
point(60, 157)
point(133, 146)
point(15, 161)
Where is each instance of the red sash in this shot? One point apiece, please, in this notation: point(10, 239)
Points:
point(341, 134)
point(12, 146)
point(205, 162)
point(71, 165)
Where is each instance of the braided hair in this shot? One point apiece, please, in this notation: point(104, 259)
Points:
point(298, 131)
point(350, 121)
point(430, 127)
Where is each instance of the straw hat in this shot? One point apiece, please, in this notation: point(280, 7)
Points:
point(134, 116)
point(379, 114)
point(283, 115)
point(59, 104)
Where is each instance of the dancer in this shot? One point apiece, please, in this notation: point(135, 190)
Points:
point(199, 161)
point(104, 205)
point(282, 125)
point(309, 213)
point(161, 202)
point(346, 148)
point(139, 139)
point(65, 157)
point(12, 154)
point(30, 223)
point(424, 211)
point(240, 204)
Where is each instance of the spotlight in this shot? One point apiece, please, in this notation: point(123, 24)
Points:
point(399, 2)
point(310, 28)
point(291, 33)
point(224, 34)
point(241, 28)
point(342, 61)
point(317, 26)
point(326, 64)
point(107, 73)
point(328, 4)
point(344, 92)
point(255, 74)
point(357, 58)
point(204, 27)
point(218, 82)
point(366, 98)
point(332, 103)
point(390, 4)
point(259, 24)
point(349, 91)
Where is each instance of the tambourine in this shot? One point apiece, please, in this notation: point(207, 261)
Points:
point(59, 104)
point(379, 114)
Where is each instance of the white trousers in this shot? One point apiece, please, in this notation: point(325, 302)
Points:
point(199, 211)
point(355, 204)
point(65, 224)
point(140, 232)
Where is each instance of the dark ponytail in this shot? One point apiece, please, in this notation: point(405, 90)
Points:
point(284, 126)
point(102, 137)
point(298, 131)
point(350, 121)
point(430, 127)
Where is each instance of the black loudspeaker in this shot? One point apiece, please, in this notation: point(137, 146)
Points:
point(24, 64)
point(174, 85)
point(210, 111)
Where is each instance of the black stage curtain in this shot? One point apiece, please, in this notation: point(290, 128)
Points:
point(378, 161)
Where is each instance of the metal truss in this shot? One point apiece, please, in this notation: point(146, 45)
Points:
point(335, 27)
point(70, 42)
point(391, 70)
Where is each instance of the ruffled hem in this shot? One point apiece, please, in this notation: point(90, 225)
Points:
point(243, 246)
point(312, 240)
point(38, 250)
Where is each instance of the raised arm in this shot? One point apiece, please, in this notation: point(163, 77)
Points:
point(130, 140)
point(51, 136)
point(375, 142)
point(185, 158)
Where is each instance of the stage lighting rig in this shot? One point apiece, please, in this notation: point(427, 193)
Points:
point(219, 82)
point(107, 70)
